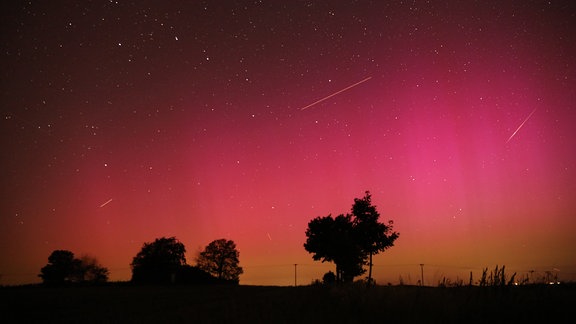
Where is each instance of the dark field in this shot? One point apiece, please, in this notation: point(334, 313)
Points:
point(253, 304)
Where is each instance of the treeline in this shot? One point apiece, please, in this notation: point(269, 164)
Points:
point(162, 261)
point(348, 240)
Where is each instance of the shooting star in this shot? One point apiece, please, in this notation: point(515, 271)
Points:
point(336, 93)
point(524, 122)
point(106, 203)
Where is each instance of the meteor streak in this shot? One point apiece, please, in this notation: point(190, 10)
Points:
point(524, 122)
point(335, 93)
point(106, 203)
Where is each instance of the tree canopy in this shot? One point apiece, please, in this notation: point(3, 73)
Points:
point(221, 259)
point(372, 236)
point(332, 240)
point(91, 270)
point(158, 261)
point(350, 240)
point(60, 268)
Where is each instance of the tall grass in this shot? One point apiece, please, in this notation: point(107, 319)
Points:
point(496, 278)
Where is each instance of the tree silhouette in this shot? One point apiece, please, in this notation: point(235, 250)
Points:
point(221, 259)
point(63, 268)
point(159, 261)
point(332, 240)
point(348, 240)
point(372, 236)
point(90, 270)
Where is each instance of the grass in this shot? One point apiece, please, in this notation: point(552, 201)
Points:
point(121, 303)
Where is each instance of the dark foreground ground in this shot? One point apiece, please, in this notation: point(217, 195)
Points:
point(252, 304)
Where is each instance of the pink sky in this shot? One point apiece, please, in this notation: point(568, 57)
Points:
point(189, 119)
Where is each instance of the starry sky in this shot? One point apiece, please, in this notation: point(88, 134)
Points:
point(125, 121)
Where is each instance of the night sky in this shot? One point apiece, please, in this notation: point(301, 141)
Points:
point(125, 121)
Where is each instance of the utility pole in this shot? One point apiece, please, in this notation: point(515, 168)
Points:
point(421, 274)
point(295, 274)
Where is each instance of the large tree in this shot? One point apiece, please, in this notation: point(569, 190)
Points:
point(349, 240)
point(372, 236)
point(221, 259)
point(332, 240)
point(158, 261)
point(61, 268)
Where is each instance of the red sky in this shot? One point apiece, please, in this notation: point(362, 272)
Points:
point(187, 119)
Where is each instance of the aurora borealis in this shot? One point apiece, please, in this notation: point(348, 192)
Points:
point(126, 121)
